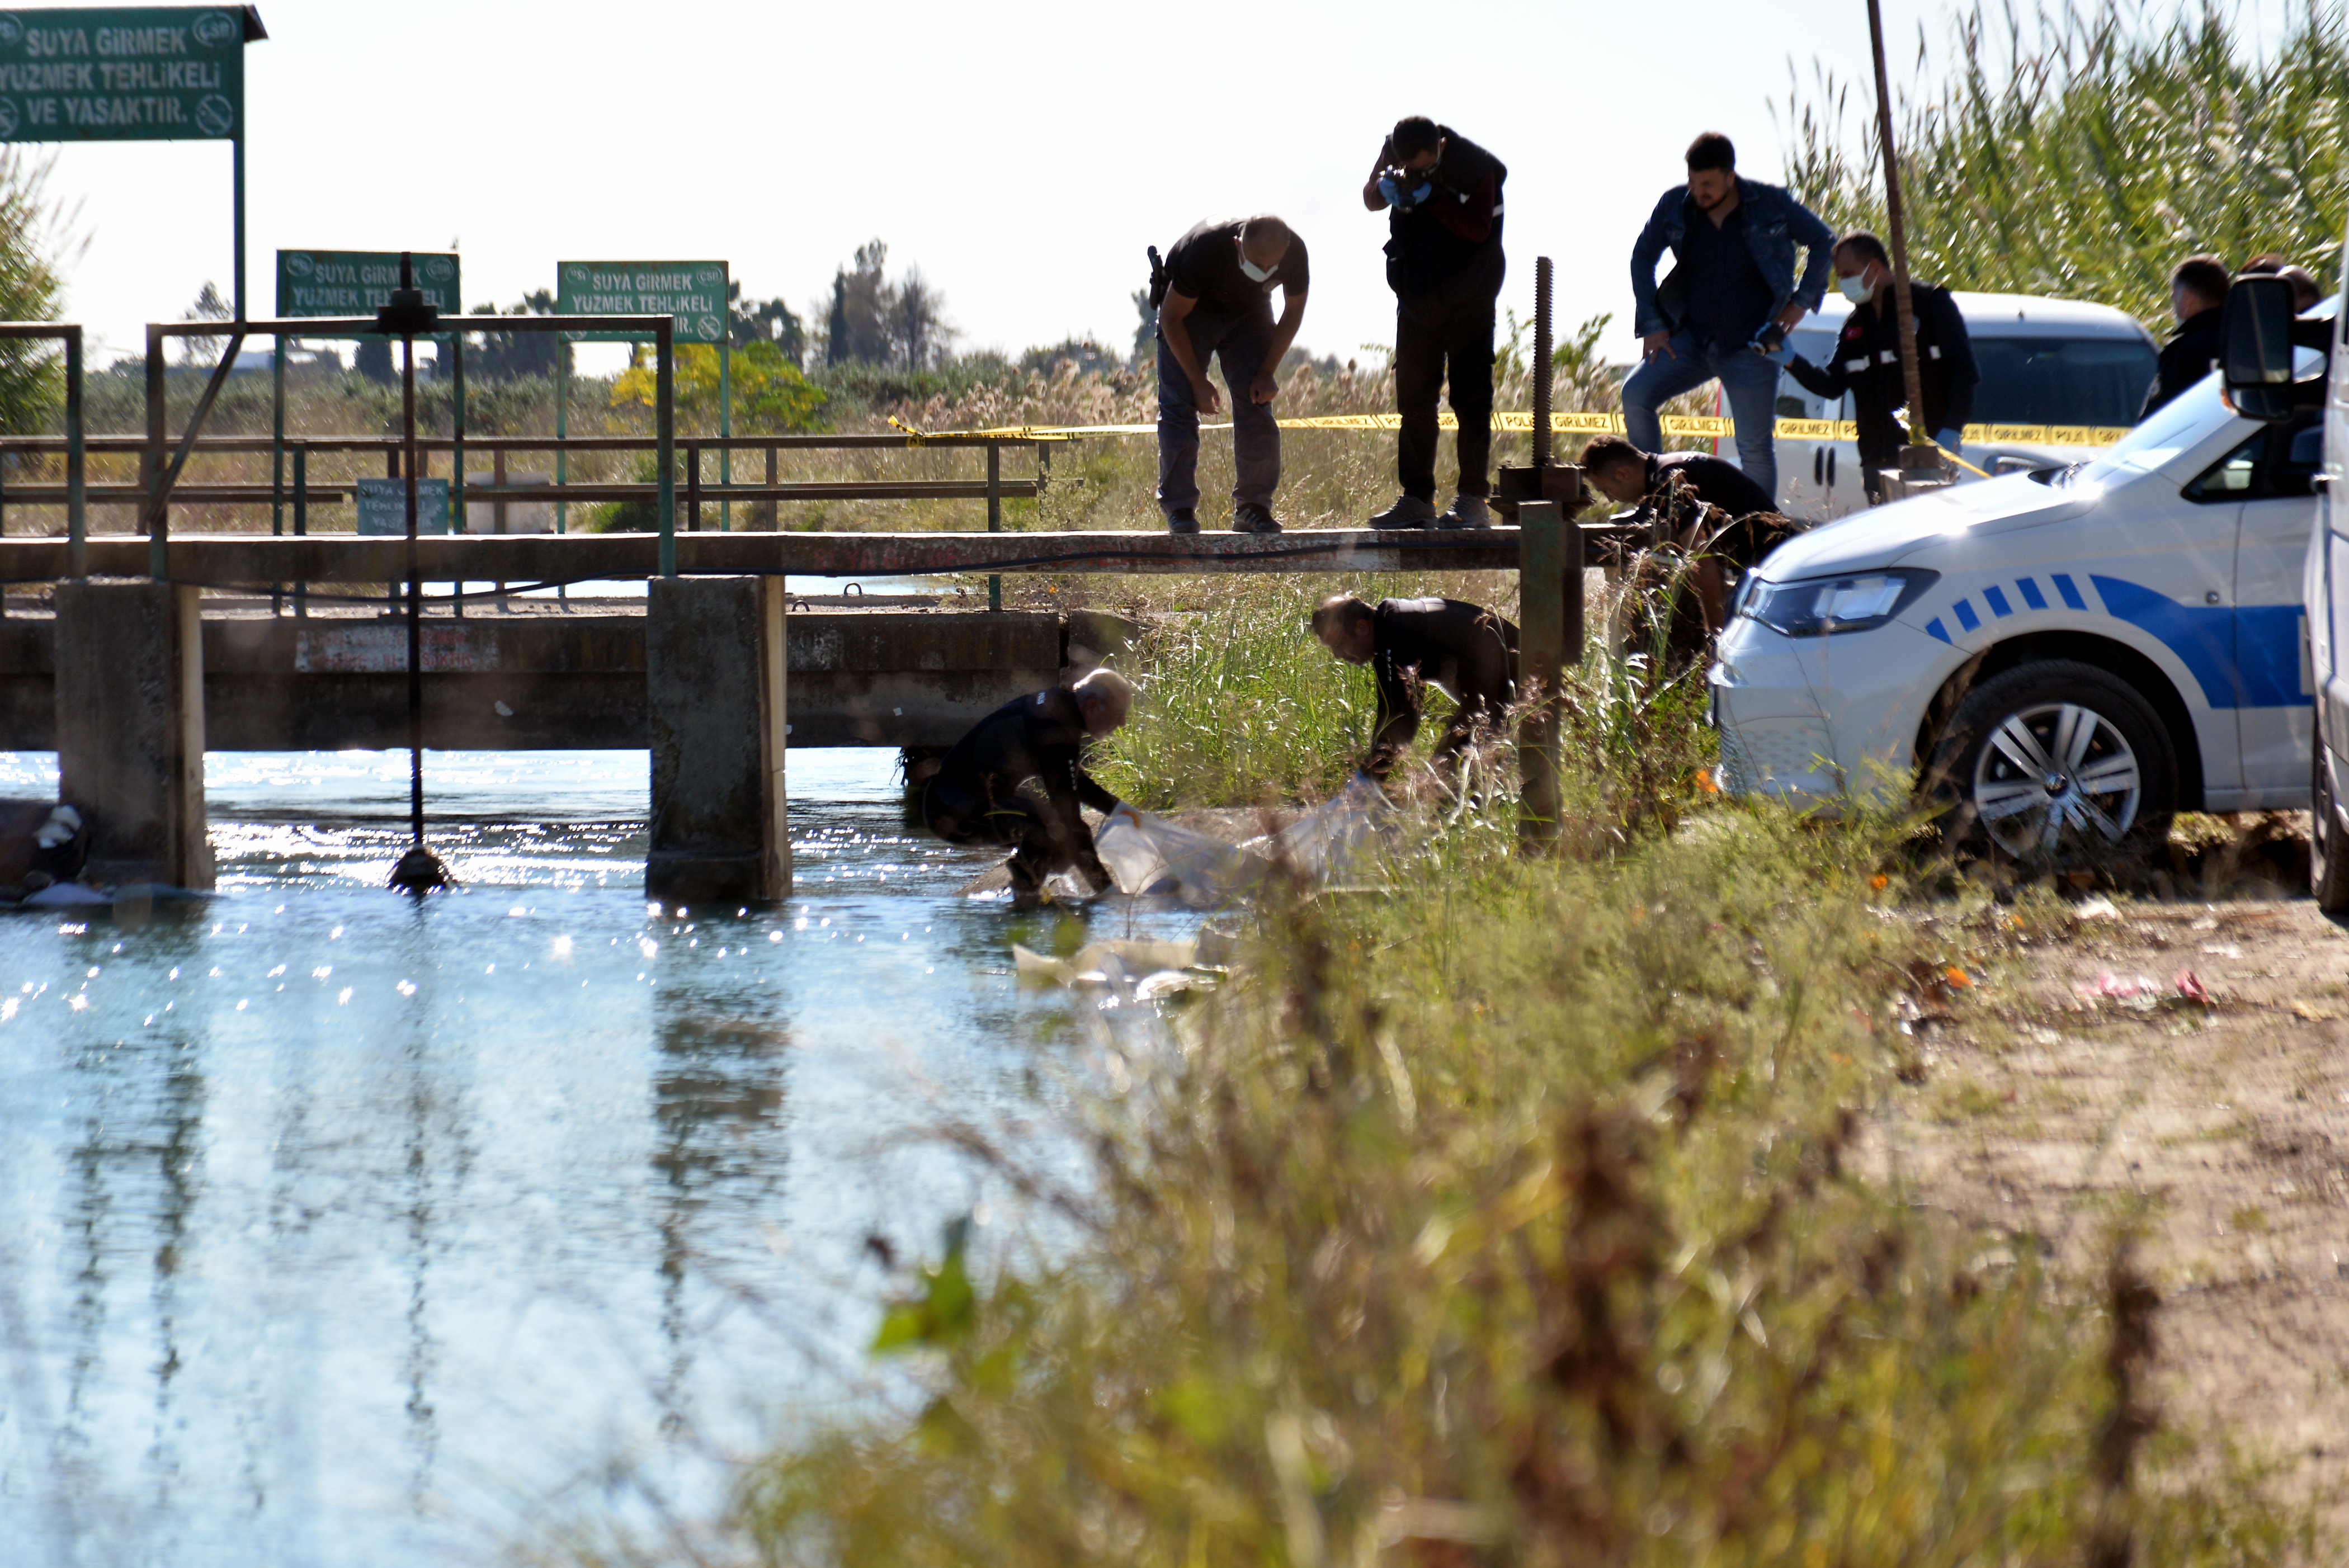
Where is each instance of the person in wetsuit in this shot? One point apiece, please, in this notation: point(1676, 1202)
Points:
point(1466, 650)
point(1018, 780)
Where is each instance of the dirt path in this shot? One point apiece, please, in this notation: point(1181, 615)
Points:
point(2047, 1112)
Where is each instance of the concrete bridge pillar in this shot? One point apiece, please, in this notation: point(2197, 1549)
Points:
point(129, 659)
point(716, 699)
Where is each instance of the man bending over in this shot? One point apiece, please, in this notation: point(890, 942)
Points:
point(1628, 476)
point(1464, 650)
point(1018, 779)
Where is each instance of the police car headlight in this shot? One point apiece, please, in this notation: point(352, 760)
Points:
point(1818, 607)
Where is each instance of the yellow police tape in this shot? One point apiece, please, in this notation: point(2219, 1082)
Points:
point(1702, 426)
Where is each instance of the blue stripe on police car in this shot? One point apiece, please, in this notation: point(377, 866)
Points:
point(2246, 657)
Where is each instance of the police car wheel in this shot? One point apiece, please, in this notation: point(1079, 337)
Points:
point(2056, 762)
point(2328, 855)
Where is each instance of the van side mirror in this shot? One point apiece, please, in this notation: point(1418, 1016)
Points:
point(2255, 333)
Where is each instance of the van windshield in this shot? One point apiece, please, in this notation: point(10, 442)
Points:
point(2061, 381)
point(2183, 423)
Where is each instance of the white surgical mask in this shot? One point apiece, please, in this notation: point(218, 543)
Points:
point(1855, 290)
point(1256, 274)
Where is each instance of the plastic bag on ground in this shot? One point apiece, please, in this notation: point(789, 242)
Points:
point(1338, 839)
point(1144, 852)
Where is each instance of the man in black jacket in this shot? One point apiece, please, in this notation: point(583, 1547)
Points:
point(1441, 195)
point(2197, 296)
point(1018, 779)
point(1464, 650)
point(1628, 476)
point(1867, 364)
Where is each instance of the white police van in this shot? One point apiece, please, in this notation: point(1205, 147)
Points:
point(2074, 654)
point(2050, 368)
point(2277, 367)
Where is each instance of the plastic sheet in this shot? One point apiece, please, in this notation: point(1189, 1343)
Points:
point(1338, 840)
point(1146, 853)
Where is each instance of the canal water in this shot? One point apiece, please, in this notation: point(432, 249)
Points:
point(337, 1229)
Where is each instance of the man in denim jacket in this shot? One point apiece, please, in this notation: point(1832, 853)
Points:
point(1733, 241)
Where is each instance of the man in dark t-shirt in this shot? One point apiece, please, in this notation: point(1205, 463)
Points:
point(1218, 301)
point(1464, 650)
point(2198, 292)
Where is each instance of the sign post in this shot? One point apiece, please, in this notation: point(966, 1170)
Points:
point(356, 283)
point(144, 73)
point(694, 294)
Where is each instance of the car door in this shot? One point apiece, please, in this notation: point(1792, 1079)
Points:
point(2333, 504)
point(1819, 476)
point(2269, 477)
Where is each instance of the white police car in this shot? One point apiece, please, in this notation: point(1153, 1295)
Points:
point(2074, 654)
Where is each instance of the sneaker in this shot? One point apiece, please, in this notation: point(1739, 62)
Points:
point(1467, 511)
point(1408, 511)
point(1184, 521)
point(1254, 519)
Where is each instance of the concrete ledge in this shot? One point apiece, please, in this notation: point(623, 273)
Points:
point(884, 677)
point(220, 559)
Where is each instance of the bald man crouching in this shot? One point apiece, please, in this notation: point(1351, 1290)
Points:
point(1018, 779)
point(1464, 650)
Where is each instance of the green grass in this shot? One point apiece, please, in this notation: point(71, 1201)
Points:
point(1516, 1215)
point(1237, 704)
point(1519, 1206)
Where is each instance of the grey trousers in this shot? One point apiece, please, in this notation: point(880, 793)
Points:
point(1240, 341)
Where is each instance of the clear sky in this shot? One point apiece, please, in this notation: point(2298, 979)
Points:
point(1022, 156)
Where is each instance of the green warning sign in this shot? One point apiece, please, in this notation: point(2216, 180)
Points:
point(383, 506)
point(356, 282)
point(693, 293)
point(122, 73)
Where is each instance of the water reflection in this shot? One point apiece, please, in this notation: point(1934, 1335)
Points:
point(340, 1230)
point(718, 1099)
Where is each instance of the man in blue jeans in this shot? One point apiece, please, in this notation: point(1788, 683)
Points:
point(1727, 302)
point(1218, 301)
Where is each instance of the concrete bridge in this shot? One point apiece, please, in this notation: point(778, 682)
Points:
point(716, 676)
point(906, 671)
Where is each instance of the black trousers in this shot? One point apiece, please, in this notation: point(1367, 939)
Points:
point(1446, 334)
point(963, 818)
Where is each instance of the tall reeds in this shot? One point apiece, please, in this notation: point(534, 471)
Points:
point(2081, 149)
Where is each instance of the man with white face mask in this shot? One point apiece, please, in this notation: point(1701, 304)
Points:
point(1867, 360)
point(1218, 283)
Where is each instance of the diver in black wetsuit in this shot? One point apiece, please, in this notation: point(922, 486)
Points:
point(1466, 650)
point(1018, 779)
